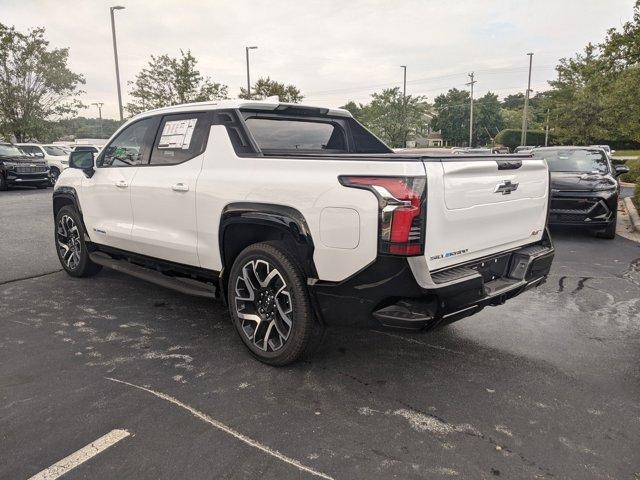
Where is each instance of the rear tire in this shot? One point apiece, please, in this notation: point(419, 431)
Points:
point(269, 304)
point(70, 245)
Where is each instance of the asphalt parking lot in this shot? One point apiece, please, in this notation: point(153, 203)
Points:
point(546, 386)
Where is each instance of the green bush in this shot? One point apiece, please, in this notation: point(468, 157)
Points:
point(634, 173)
point(511, 137)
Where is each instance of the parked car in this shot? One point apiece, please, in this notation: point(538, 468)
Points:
point(298, 217)
point(86, 148)
point(17, 168)
point(477, 151)
point(501, 150)
point(606, 148)
point(56, 157)
point(523, 149)
point(584, 187)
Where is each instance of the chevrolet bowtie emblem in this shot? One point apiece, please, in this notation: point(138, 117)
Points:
point(506, 187)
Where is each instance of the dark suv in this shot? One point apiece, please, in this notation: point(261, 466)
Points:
point(584, 188)
point(16, 168)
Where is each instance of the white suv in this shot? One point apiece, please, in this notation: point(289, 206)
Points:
point(56, 157)
point(298, 217)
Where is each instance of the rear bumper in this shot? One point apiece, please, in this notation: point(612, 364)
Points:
point(386, 293)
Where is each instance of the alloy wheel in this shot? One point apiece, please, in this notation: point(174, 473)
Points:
point(263, 305)
point(68, 239)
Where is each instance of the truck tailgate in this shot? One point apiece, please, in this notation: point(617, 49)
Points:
point(476, 209)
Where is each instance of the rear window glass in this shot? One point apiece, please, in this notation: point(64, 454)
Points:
point(578, 160)
point(276, 134)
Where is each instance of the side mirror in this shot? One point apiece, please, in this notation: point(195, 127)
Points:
point(620, 169)
point(39, 154)
point(82, 160)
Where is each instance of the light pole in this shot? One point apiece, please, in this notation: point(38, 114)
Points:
point(523, 136)
point(99, 105)
point(246, 51)
point(115, 56)
point(471, 82)
point(404, 103)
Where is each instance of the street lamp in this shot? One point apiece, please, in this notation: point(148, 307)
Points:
point(99, 105)
point(115, 56)
point(246, 49)
point(525, 126)
point(404, 104)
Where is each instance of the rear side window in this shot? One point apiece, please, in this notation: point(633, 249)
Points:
point(297, 135)
point(180, 138)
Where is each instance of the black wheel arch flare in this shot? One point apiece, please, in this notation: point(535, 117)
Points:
point(63, 196)
point(245, 223)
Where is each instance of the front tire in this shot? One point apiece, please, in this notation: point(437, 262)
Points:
point(70, 245)
point(54, 173)
point(3, 183)
point(269, 304)
point(610, 232)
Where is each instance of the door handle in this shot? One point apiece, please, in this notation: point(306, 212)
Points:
point(121, 184)
point(180, 187)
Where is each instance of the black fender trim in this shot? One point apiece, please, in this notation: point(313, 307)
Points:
point(285, 219)
point(69, 195)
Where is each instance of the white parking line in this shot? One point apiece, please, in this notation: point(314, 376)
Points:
point(221, 426)
point(85, 453)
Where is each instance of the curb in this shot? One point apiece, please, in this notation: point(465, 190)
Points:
point(633, 213)
point(627, 184)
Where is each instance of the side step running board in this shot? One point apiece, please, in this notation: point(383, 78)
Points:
point(186, 286)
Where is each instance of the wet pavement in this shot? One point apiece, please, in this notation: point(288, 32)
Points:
point(545, 386)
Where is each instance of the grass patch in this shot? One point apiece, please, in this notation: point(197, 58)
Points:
point(627, 153)
point(634, 173)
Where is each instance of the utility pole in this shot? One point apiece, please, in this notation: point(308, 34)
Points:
point(115, 56)
point(246, 51)
point(523, 136)
point(99, 105)
point(546, 132)
point(471, 82)
point(404, 104)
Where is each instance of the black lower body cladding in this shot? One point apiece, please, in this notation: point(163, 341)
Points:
point(386, 293)
point(583, 209)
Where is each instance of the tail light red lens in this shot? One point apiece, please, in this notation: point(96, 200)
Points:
point(402, 207)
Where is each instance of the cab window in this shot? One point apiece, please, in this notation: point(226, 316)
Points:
point(129, 148)
point(180, 138)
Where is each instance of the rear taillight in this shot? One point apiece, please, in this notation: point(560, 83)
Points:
point(402, 207)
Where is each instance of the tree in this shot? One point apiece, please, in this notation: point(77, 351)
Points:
point(594, 98)
point(452, 116)
point(514, 101)
point(36, 86)
point(391, 116)
point(171, 81)
point(487, 119)
point(354, 108)
point(265, 87)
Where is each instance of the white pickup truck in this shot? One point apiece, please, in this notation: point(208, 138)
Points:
point(298, 217)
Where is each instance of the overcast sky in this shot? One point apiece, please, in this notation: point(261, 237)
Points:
point(333, 50)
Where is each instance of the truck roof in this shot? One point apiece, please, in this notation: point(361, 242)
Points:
point(267, 105)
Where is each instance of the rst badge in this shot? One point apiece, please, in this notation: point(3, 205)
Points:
point(506, 187)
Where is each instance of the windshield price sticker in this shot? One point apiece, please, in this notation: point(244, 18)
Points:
point(177, 134)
